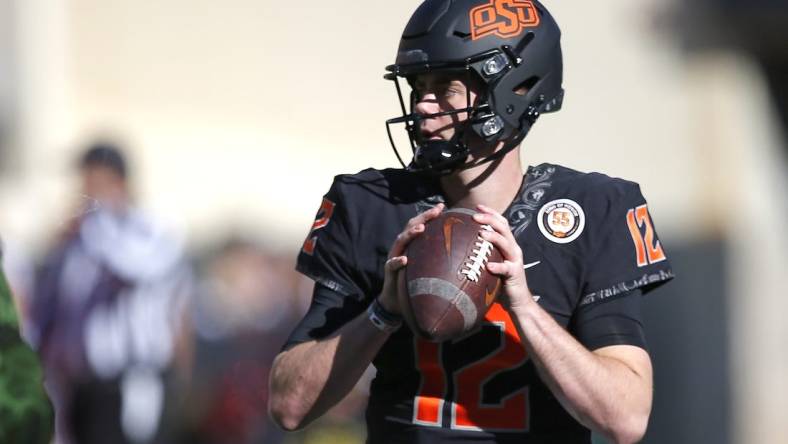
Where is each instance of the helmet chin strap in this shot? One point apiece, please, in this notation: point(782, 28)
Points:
point(439, 157)
point(508, 146)
point(442, 157)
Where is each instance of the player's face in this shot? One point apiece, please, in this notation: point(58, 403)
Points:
point(104, 185)
point(435, 93)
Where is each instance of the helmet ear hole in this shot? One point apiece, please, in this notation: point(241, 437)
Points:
point(523, 87)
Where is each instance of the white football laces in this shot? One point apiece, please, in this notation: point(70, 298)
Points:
point(479, 257)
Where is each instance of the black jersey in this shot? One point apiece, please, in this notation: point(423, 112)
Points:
point(590, 250)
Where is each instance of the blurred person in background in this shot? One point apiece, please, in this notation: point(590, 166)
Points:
point(26, 415)
point(238, 314)
point(107, 311)
point(243, 311)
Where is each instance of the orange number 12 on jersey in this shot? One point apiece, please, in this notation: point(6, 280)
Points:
point(468, 410)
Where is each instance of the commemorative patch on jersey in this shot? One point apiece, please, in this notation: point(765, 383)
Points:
point(561, 220)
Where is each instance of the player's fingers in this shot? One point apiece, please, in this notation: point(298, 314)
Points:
point(404, 238)
point(426, 216)
point(494, 220)
point(413, 228)
point(505, 244)
point(389, 292)
point(501, 269)
point(509, 271)
point(396, 263)
point(496, 215)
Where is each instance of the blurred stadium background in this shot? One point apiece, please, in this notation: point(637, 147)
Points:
point(236, 115)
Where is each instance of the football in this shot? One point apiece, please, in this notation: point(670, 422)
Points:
point(445, 290)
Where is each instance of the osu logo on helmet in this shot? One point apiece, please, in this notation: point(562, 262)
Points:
point(504, 18)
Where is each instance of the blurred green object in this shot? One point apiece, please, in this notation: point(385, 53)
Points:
point(329, 432)
point(26, 415)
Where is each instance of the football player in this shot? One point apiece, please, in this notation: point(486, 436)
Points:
point(563, 353)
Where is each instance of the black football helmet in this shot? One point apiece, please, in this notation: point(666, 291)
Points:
point(512, 46)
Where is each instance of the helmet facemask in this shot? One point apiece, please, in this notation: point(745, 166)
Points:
point(488, 120)
point(435, 156)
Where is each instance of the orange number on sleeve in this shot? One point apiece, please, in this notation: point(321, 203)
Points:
point(647, 250)
point(323, 216)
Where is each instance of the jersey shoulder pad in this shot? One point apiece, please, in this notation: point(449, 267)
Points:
point(327, 255)
point(603, 221)
point(573, 205)
point(387, 186)
point(339, 248)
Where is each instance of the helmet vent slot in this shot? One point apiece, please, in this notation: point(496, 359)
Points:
point(462, 35)
point(527, 38)
point(523, 88)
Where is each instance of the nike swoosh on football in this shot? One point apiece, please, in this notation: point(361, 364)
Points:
point(532, 264)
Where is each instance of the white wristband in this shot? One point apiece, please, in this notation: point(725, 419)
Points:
point(379, 320)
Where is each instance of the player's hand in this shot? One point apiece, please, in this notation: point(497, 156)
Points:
point(396, 260)
point(515, 293)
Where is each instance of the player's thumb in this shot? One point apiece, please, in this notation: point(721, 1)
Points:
point(395, 263)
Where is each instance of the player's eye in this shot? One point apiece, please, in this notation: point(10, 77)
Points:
point(456, 88)
point(451, 91)
point(440, 90)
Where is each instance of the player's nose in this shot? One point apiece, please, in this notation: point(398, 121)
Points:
point(427, 104)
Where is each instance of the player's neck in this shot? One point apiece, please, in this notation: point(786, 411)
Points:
point(494, 184)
